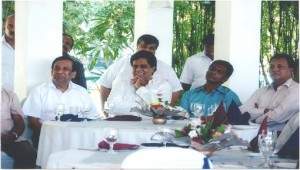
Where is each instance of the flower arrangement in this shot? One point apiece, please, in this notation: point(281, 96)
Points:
point(200, 130)
point(159, 108)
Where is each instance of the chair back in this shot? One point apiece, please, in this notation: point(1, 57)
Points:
point(166, 158)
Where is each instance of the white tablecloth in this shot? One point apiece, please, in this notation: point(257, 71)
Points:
point(59, 136)
point(223, 159)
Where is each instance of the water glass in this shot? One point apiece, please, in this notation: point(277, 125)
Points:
point(111, 136)
point(85, 110)
point(197, 109)
point(266, 145)
point(109, 107)
point(59, 110)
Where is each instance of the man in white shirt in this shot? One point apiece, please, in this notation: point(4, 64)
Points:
point(8, 53)
point(142, 87)
point(41, 102)
point(195, 67)
point(280, 100)
point(123, 68)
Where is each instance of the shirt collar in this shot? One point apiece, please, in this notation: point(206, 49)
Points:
point(221, 89)
point(52, 85)
point(287, 83)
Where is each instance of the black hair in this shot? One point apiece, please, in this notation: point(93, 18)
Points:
point(226, 64)
point(151, 59)
point(289, 59)
point(64, 57)
point(65, 34)
point(208, 40)
point(148, 39)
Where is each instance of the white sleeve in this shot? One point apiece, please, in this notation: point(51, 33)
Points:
point(186, 74)
point(111, 72)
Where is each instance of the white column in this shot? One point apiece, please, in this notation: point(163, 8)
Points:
point(237, 40)
point(38, 42)
point(155, 17)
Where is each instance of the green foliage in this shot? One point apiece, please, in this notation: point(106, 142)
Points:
point(192, 21)
point(101, 30)
point(279, 32)
point(8, 8)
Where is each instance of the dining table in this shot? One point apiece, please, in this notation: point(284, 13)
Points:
point(57, 136)
point(228, 158)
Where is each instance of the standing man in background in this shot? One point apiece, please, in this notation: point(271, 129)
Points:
point(79, 79)
point(8, 53)
point(123, 68)
point(195, 67)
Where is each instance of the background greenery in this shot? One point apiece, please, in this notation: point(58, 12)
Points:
point(104, 30)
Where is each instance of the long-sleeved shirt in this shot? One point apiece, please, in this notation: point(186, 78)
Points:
point(124, 96)
point(283, 103)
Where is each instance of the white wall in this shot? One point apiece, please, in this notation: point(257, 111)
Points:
point(156, 18)
point(237, 40)
point(38, 42)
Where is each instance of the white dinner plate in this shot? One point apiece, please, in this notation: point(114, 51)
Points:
point(243, 127)
point(286, 165)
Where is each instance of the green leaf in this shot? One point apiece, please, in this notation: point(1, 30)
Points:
point(178, 133)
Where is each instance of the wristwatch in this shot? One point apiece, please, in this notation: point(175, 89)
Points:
point(16, 135)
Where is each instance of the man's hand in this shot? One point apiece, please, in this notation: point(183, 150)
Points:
point(138, 81)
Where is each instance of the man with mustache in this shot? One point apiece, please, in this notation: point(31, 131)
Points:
point(143, 87)
point(212, 92)
point(279, 100)
point(8, 53)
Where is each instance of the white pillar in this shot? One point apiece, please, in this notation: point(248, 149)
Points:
point(237, 40)
point(38, 42)
point(155, 17)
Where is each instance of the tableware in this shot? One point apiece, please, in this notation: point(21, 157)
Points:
point(59, 110)
point(111, 136)
point(159, 121)
point(73, 110)
point(109, 107)
point(197, 109)
point(266, 145)
point(85, 110)
point(244, 127)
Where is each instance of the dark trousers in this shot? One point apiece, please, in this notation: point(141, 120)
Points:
point(35, 138)
point(22, 152)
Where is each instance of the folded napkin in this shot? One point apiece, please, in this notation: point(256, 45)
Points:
point(177, 117)
point(117, 146)
point(72, 118)
point(220, 116)
point(161, 145)
point(291, 147)
point(253, 143)
point(235, 116)
point(124, 118)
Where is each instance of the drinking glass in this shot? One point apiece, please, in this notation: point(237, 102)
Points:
point(166, 131)
point(109, 107)
point(197, 109)
point(59, 110)
point(266, 145)
point(111, 136)
point(85, 110)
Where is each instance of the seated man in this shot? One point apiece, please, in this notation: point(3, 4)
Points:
point(12, 127)
point(212, 92)
point(280, 100)
point(144, 87)
point(122, 68)
point(79, 79)
point(40, 103)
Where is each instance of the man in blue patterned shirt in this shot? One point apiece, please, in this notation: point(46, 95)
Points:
point(212, 92)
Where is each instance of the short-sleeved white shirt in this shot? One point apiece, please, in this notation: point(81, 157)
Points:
point(8, 65)
point(123, 68)
point(41, 101)
point(195, 69)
